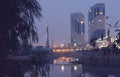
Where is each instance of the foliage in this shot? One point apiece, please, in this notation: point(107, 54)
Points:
point(17, 18)
point(92, 42)
point(118, 40)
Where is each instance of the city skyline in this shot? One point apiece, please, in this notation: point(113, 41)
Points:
point(57, 15)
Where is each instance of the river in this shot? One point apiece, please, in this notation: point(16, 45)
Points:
point(60, 67)
point(64, 67)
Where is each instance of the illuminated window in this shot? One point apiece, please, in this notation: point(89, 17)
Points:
point(81, 22)
point(92, 21)
point(81, 33)
point(100, 12)
point(90, 10)
point(75, 44)
point(96, 13)
point(100, 20)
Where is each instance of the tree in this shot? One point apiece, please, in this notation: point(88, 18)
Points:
point(118, 39)
point(17, 18)
point(92, 42)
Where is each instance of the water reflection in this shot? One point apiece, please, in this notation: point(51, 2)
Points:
point(61, 67)
point(64, 60)
point(39, 71)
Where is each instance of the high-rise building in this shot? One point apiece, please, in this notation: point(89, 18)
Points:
point(77, 29)
point(96, 21)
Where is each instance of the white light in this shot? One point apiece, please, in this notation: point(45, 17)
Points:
point(77, 49)
point(90, 10)
point(81, 33)
point(77, 59)
point(80, 49)
point(87, 45)
point(81, 22)
point(100, 20)
point(75, 67)
point(75, 44)
point(100, 12)
point(96, 12)
point(62, 68)
point(62, 45)
point(92, 21)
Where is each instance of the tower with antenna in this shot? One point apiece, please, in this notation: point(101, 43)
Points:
point(47, 37)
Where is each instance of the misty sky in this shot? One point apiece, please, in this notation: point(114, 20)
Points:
point(56, 14)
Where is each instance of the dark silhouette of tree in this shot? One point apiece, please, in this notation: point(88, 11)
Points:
point(92, 42)
point(17, 18)
point(118, 40)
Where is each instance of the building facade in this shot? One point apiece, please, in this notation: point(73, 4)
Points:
point(96, 21)
point(77, 29)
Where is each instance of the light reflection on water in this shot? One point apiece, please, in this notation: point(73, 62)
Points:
point(64, 60)
point(63, 68)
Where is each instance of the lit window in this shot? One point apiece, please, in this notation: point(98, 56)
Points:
point(90, 10)
point(96, 13)
point(100, 12)
point(100, 20)
point(81, 33)
point(81, 22)
point(92, 21)
point(75, 44)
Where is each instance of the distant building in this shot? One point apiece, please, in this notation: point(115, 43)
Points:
point(96, 21)
point(77, 29)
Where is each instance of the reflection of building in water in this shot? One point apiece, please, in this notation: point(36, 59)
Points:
point(73, 70)
point(64, 60)
point(62, 68)
point(67, 70)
